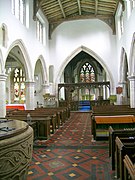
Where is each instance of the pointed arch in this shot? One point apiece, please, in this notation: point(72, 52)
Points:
point(44, 68)
point(132, 57)
point(27, 64)
point(90, 52)
point(1, 63)
point(123, 65)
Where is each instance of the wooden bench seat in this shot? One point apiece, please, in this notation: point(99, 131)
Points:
point(62, 113)
point(114, 119)
point(129, 168)
point(57, 117)
point(54, 117)
point(65, 111)
point(113, 133)
point(48, 120)
point(102, 123)
point(124, 146)
point(112, 110)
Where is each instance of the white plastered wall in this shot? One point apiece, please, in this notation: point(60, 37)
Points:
point(93, 34)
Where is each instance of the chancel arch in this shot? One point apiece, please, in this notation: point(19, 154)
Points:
point(85, 79)
point(91, 53)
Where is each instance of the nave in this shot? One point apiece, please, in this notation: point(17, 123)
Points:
point(70, 153)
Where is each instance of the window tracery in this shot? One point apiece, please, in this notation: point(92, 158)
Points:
point(19, 85)
point(87, 73)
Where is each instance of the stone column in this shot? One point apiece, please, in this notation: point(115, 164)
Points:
point(132, 91)
point(3, 78)
point(124, 92)
point(30, 95)
point(46, 88)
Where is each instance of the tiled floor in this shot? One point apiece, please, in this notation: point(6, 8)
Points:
point(70, 154)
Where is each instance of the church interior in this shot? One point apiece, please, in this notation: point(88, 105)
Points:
point(67, 89)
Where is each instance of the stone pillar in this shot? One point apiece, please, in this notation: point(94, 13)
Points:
point(124, 92)
point(132, 91)
point(46, 88)
point(3, 78)
point(30, 95)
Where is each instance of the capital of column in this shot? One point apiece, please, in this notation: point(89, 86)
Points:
point(122, 83)
point(30, 83)
point(45, 85)
point(3, 77)
point(131, 78)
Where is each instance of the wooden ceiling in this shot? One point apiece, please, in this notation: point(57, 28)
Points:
point(58, 11)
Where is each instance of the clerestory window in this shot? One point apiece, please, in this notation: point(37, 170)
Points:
point(19, 10)
point(40, 31)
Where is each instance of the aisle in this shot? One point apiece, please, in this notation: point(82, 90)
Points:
point(70, 154)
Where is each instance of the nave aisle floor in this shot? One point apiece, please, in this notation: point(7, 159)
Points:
point(71, 154)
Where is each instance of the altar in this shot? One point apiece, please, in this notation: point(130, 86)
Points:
point(16, 106)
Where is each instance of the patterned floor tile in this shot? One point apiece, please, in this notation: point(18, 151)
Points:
point(71, 154)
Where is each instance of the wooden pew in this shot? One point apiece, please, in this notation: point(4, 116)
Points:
point(129, 169)
point(64, 113)
point(102, 123)
point(112, 110)
point(124, 146)
point(42, 122)
point(113, 133)
point(54, 113)
point(33, 114)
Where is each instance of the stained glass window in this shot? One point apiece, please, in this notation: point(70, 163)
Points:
point(19, 85)
point(87, 73)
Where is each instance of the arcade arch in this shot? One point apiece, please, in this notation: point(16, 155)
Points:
point(40, 78)
point(124, 95)
point(20, 80)
point(131, 76)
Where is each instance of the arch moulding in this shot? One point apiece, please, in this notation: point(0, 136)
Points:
point(90, 52)
point(44, 69)
point(27, 64)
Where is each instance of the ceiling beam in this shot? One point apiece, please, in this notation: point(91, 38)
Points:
point(61, 7)
point(92, 16)
point(79, 7)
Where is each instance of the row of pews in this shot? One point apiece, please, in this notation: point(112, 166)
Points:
point(117, 116)
point(118, 122)
point(122, 152)
point(44, 121)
